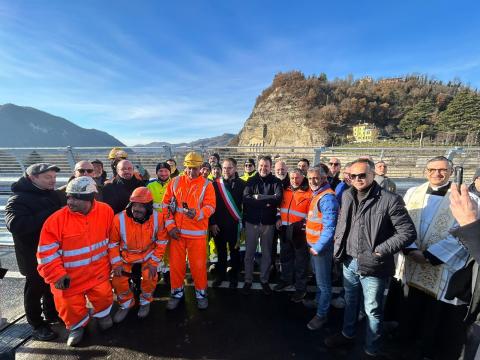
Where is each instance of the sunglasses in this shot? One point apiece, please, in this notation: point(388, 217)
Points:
point(83, 171)
point(361, 176)
point(248, 165)
point(333, 164)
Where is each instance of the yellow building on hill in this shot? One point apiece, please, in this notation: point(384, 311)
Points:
point(364, 133)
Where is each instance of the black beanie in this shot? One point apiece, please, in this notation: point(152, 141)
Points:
point(163, 165)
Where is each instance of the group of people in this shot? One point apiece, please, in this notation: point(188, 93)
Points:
point(323, 216)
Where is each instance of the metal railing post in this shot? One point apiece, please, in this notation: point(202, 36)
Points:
point(318, 154)
point(70, 158)
point(19, 161)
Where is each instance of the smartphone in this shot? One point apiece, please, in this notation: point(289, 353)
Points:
point(458, 175)
point(66, 283)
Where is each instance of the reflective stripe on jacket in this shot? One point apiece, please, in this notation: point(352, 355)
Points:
point(76, 244)
point(197, 194)
point(132, 242)
point(158, 192)
point(294, 206)
point(318, 221)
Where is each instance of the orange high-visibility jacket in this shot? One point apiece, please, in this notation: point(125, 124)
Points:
point(294, 206)
point(197, 194)
point(314, 219)
point(132, 242)
point(76, 244)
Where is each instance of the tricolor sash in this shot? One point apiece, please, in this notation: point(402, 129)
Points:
point(228, 200)
point(231, 207)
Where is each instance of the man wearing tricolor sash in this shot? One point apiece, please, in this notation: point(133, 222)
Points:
point(427, 266)
point(225, 223)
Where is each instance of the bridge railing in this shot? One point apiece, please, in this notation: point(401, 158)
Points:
point(403, 162)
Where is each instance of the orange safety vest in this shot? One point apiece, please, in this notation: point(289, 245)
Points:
point(294, 206)
point(76, 244)
point(132, 242)
point(197, 194)
point(314, 225)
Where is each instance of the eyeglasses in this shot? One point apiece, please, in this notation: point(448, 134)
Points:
point(361, 176)
point(441, 171)
point(83, 171)
point(334, 164)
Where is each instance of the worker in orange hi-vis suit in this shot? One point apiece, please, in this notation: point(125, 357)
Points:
point(72, 257)
point(138, 236)
point(191, 201)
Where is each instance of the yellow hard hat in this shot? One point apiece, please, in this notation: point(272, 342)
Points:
point(117, 152)
point(193, 159)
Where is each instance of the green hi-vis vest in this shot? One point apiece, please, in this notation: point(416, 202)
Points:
point(158, 192)
point(245, 176)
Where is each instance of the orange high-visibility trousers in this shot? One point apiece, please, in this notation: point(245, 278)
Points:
point(124, 293)
point(197, 258)
point(73, 309)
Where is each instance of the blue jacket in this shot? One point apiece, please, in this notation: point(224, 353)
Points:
point(328, 206)
point(339, 189)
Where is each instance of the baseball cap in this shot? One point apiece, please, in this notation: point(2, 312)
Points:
point(40, 168)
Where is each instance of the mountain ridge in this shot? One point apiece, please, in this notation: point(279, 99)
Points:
point(24, 126)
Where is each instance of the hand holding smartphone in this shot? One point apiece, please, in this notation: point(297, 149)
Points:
point(458, 176)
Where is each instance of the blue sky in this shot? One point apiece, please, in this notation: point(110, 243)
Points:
point(182, 70)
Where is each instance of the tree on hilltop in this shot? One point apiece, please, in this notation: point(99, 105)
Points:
point(462, 114)
point(418, 119)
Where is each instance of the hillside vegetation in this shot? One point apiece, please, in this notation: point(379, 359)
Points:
point(408, 107)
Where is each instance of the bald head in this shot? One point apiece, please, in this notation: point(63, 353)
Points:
point(83, 168)
point(280, 170)
point(125, 169)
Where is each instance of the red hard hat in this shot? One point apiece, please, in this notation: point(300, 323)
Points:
point(141, 195)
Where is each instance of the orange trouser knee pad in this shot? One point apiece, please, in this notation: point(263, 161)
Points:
point(122, 287)
point(73, 309)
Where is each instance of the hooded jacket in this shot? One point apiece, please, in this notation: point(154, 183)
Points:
point(25, 212)
point(134, 242)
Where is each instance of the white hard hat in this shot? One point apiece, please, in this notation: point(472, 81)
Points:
point(82, 185)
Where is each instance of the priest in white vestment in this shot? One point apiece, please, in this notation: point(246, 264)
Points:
point(426, 267)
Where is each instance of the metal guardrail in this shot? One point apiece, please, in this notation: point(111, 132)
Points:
point(404, 162)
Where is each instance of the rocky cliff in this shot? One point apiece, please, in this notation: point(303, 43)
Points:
point(281, 119)
point(311, 111)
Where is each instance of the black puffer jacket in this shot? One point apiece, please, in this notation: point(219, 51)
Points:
point(387, 229)
point(25, 212)
point(264, 209)
point(117, 193)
